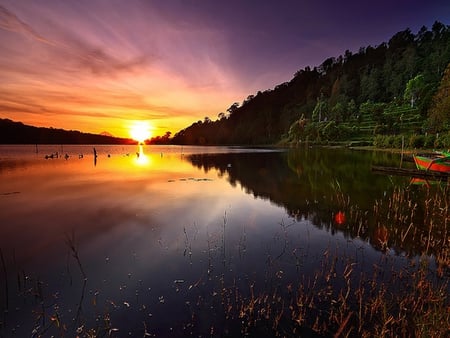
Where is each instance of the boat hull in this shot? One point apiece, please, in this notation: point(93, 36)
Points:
point(425, 163)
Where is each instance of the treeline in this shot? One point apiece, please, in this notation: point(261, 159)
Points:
point(388, 89)
point(18, 133)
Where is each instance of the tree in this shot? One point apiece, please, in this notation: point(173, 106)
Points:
point(371, 81)
point(338, 112)
point(297, 129)
point(385, 75)
point(233, 108)
point(439, 113)
point(320, 110)
point(352, 109)
point(248, 99)
point(374, 110)
point(413, 89)
point(326, 66)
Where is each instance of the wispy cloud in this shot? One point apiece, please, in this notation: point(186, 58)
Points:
point(90, 62)
point(83, 56)
point(105, 62)
point(9, 21)
point(67, 51)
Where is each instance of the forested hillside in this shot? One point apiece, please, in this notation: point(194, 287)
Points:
point(18, 133)
point(379, 94)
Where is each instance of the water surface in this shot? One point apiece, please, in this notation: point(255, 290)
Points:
point(148, 240)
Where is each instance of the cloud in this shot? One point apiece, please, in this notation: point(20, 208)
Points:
point(82, 55)
point(88, 102)
point(9, 21)
point(67, 51)
point(99, 62)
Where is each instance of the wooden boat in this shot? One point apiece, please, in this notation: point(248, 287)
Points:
point(419, 173)
point(423, 181)
point(440, 163)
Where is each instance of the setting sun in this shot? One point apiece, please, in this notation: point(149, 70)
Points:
point(140, 131)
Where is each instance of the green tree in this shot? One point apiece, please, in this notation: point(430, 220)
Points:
point(338, 111)
point(320, 110)
point(439, 113)
point(374, 110)
point(352, 109)
point(414, 88)
point(371, 85)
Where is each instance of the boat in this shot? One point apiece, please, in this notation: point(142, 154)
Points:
point(424, 181)
point(439, 162)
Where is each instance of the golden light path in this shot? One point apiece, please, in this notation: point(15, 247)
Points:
point(141, 158)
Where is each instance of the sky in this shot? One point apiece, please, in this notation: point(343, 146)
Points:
point(100, 65)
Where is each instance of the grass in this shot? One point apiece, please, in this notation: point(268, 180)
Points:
point(341, 296)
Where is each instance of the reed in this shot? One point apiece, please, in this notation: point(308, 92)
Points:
point(366, 306)
point(5, 278)
point(340, 295)
point(342, 298)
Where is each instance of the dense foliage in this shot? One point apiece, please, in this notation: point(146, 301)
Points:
point(394, 88)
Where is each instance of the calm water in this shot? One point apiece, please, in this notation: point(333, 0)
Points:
point(160, 234)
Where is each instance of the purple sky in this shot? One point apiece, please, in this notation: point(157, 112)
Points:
point(97, 65)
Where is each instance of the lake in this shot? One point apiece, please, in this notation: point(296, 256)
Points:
point(173, 241)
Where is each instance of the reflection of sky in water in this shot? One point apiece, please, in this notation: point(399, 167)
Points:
point(147, 227)
point(140, 221)
point(45, 200)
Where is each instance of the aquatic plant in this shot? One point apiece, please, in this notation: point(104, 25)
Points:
point(293, 292)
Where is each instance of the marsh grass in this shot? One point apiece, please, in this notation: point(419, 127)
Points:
point(343, 298)
point(340, 296)
point(5, 279)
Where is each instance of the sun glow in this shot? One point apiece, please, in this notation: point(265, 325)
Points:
point(140, 131)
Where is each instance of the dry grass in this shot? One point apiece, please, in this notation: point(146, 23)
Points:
point(343, 297)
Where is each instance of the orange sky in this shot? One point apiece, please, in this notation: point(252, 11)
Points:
point(99, 65)
point(95, 71)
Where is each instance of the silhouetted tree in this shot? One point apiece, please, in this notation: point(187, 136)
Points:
point(354, 89)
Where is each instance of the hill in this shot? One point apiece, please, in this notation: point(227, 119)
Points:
point(18, 133)
point(385, 90)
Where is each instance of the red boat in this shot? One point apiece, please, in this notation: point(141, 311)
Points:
point(439, 163)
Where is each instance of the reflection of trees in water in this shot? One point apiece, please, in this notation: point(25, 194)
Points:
point(316, 184)
point(304, 183)
point(416, 220)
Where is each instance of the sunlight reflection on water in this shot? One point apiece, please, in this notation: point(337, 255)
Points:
point(158, 228)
